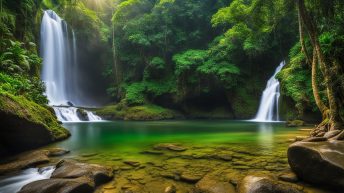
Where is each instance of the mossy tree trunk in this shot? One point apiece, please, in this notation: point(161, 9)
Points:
point(335, 121)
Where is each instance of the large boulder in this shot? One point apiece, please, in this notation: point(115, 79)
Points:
point(25, 124)
point(321, 163)
point(71, 177)
point(265, 184)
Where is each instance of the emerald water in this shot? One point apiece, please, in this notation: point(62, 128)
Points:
point(125, 139)
point(226, 149)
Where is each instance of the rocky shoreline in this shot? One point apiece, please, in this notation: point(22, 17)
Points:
point(193, 169)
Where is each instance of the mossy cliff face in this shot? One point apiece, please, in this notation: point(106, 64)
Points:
point(25, 124)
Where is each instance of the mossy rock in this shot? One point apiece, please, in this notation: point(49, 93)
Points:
point(25, 124)
point(137, 113)
point(295, 123)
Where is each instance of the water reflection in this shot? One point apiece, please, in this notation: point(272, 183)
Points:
point(120, 135)
point(265, 135)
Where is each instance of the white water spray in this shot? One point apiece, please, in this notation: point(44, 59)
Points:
point(14, 183)
point(268, 108)
point(60, 70)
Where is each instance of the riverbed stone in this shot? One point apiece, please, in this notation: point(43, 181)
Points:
point(56, 152)
point(169, 146)
point(96, 173)
point(24, 160)
point(170, 189)
point(295, 123)
point(257, 183)
point(78, 185)
point(288, 177)
point(210, 184)
point(71, 177)
point(321, 163)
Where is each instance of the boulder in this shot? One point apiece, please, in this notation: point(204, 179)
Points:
point(321, 163)
point(68, 169)
point(314, 139)
point(265, 184)
point(58, 186)
point(71, 177)
point(24, 160)
point(82, 114)
point(212, 185)
point(25, 124)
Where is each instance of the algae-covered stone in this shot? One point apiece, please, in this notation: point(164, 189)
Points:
point(295, 123)
point(25, 124)
point(265, 184)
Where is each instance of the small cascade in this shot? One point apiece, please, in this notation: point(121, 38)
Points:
point(14, 183)
point(60, 69)
point(268, 108)
point(73, 114)
point(92, 117)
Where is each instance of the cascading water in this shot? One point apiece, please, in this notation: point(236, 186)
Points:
point(268, 108)
point(11, 184)
point(60, 72)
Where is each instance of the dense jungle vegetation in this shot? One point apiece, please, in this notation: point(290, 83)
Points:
point(198, 57)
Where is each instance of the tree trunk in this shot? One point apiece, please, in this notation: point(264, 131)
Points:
point(302, 39)
point(322, 107)
point(335, 120)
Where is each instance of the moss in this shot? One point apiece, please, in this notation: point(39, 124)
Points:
point(148, 112)
point(142, 112)
point(32, 113)
point(295, 123)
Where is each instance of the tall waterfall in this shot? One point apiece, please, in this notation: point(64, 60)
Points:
point(60, 70)
point(268, 108)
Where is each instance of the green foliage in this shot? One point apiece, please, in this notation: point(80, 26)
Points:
point(31, 88)
point(136, 92)
point(296, 81)
point(17, 60)
point(137, 113)
point(155, 69)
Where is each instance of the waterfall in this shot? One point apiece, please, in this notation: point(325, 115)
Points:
point(14, 183)
point(73, 114)
point(60, 68)
point(268, 108)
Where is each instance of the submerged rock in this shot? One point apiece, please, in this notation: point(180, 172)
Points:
point(170, 189)
point(169, 146)
point(71, 177)
point(288, 177)
point(265, 184)
point(212, 185)
point(320, 163)
point(295, 123)
point(55, 152)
